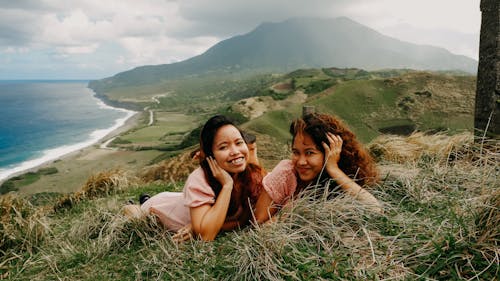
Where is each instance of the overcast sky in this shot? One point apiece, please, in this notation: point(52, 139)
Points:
point(92, 39)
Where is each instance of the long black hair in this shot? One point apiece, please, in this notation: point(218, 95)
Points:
point(249, 178)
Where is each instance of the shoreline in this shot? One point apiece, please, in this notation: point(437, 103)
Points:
point(97, 137)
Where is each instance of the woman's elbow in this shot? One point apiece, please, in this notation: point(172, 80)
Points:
point(264, 215)
point(261, 218)
point(207, 236)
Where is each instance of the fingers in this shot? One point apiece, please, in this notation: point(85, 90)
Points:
point(214, 167)
point(181, 237)
point(335, 143)
point(183, 234)
point(220, 174)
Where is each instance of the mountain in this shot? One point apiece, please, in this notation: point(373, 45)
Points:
point(297, 43)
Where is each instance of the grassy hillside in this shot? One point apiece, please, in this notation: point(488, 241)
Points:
point(440, 192)
point(372, 103)
point(441, 201)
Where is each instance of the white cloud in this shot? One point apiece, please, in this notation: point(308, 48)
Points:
point(458, 15)
point(80, 49)
point(15, 50)
point(127, 33)
point(153, 49)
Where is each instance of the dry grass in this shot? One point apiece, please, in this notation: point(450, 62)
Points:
point(99, 185)
point(440, 223)
point(399, 149)
point(171, 170)
point(23, 228)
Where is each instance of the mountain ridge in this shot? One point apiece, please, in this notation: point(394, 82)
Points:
point(296, 43)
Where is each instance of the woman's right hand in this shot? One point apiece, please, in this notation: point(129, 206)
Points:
point(220, 174)
point(332, 153)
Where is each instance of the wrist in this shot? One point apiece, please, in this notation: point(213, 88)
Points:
point(334, 171)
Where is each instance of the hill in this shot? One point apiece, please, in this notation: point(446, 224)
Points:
point(372, 103)
point(282, 47)
point(441, 219)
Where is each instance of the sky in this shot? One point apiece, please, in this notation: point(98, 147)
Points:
point(94, 39)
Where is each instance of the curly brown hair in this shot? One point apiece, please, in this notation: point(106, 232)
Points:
point(355, 160)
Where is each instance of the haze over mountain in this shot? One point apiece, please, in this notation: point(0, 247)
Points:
point(298, 43)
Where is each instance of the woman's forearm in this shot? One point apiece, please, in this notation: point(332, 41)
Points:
point(212, 219)
point(264, 208)
point(353, 189)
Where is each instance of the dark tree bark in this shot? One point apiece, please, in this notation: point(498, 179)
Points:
point(487, 109)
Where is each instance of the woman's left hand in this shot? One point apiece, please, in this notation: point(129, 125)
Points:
point(183, 234)
point(332, 151)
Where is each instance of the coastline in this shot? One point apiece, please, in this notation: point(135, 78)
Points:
point(75, 169)
point(96, 137)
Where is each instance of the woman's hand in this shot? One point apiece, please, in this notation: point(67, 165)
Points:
point(332, 152)
point(183, 234)
point(220, 174)
point(332, 158)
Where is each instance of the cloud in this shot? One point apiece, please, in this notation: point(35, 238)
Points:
point(168, 50)
point(121, 34)
point(225, 18)
point(443, 14)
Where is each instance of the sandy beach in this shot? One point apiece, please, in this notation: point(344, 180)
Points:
point(75, 167)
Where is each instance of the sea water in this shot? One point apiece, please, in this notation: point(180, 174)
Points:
point(43, 120)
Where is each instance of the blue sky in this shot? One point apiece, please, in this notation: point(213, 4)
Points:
point(93, 39)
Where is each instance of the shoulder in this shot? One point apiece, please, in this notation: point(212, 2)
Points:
point(197, 182)
point(281, 182)
point(197, 190)
point(197, 177)
point(284, 166)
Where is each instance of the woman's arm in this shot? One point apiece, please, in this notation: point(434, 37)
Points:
point(348, 185)
point(207, 220)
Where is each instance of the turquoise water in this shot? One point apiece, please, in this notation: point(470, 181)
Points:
point(42, 120)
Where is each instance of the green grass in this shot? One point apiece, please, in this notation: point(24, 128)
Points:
point(275, 123)
point(14, 183)
point(168, 129)
point(363, 99)
point(440, 220)
point(438, 224)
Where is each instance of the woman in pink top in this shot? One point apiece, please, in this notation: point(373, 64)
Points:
point(219, 194)
point(326, 159)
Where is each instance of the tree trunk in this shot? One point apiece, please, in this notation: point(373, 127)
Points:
point(487, 109)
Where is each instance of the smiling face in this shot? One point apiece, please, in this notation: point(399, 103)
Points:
point(229, 149)
point(307, 159)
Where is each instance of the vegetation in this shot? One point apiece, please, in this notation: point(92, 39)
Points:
point(441, 201)
point(278, 48)
point(14, 183)
point(440, 191)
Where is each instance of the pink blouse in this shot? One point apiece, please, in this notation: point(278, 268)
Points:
point(281, 182)
point(172, 208)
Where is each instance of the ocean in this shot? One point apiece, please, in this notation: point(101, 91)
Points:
point(43, 120)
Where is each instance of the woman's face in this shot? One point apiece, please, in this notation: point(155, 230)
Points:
point(306, 157)
point(229, 149)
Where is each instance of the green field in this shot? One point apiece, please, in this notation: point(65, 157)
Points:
point(168, 129)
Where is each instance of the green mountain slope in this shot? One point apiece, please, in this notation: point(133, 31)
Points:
point(372, 104)
point(283, 47)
